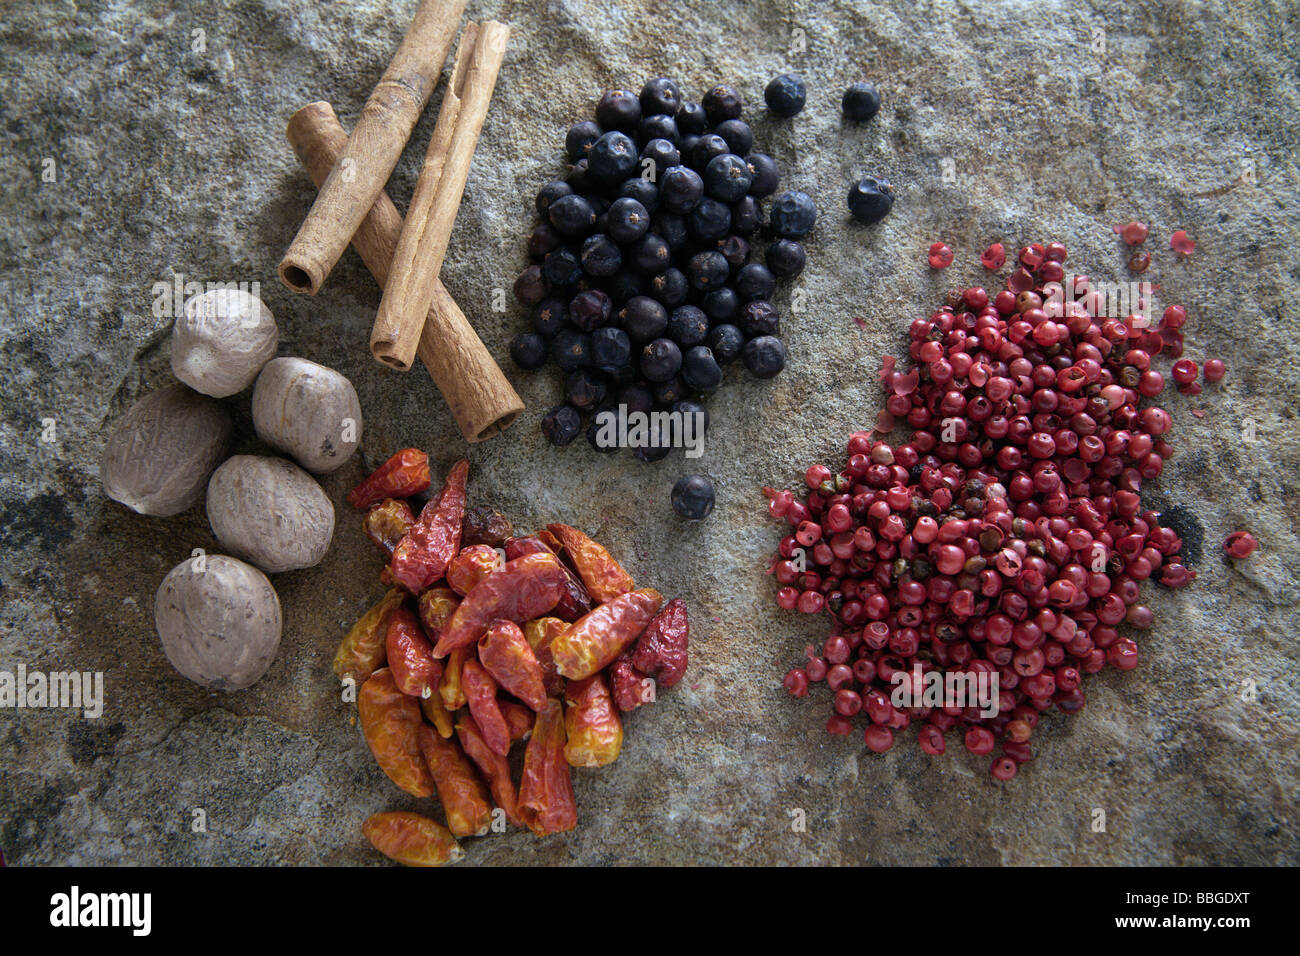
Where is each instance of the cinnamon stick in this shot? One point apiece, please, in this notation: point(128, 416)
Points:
point(358, 177)
point(481, 399)
point(423, 244)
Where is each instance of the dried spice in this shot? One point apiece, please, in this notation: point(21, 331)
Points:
point(361, 652)
point(485, 526)
point(494, 767)
point(592, 726)
point(662, 649)
point(463, 796)
point(481, 695)
point(450, 688)
point(540, 633)
point(519, 591)
point(546, 801)
point(595, 640)
point(421, 557)
point(462, 660)
point(505, 653)
point(410, 655)
point(575, 601)
point(391, 722)
point(982, 567)
point(387, 523)
point(628, 686)
point(604, 577)
point(436, 607)
point(412, 839)
point(403, 475)
point(471, 566)
point(437, 714)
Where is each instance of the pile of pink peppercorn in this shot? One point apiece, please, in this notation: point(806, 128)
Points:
point(1007, 534)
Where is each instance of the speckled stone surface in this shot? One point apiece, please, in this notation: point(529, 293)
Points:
point(135, 147)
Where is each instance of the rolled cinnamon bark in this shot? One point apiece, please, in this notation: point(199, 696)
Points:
point(481, 399)
point(357, 179)
point(432, 213)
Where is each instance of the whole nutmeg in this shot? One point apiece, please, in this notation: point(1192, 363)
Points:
point(222, 341)
point(161, 453)
point(307, 411)
point(270, 512)
point(219, 621)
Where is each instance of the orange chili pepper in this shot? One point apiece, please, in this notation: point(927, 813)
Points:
point(604, 577)
point(391, 722)
point(362, 651)
point(595, 640)
point(412, 839)
point(451, 690)
point(592, 725)
point(463, 796)
point(436, 714)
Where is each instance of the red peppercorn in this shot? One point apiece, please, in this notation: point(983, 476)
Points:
point(1135, 233)
point(1004, 768)
point(1214, 370)
point(1185, 372)
point(878, 738)
point(940, 256)
point(979, 741)
point(994, 257)
point(796, 682)
point(1240, 544)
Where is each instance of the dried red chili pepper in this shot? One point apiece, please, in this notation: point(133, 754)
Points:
point(436, 606)
point(481, 694)
point(387, 523)
point(412, 839)
point(421, 557)
point(436, 714)
point(604, 577)
point(361, 652)
point(485, 526)
point(589, 644)
point(470, 566)
point(494, 767)
point(410, 655)
point(391, 722)
point(451, 690)
point(546, 800)
point(403, 475)
point(576, 601)
point(521, 590)
point(662, 650)
point(507, 656)
point(463, 796)
point(519, 718)
point(628, 686)
point(591, 724)
point(540, 632)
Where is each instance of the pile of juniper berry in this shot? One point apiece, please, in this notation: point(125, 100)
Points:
point(642, 286)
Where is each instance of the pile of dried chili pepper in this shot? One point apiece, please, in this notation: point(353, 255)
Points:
point(487, 639)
